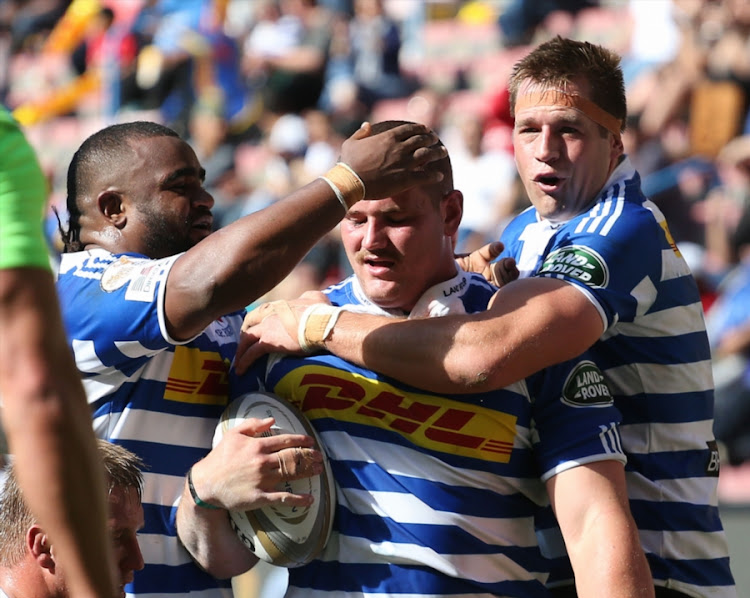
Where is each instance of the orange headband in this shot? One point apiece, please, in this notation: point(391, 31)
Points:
point(557, 97)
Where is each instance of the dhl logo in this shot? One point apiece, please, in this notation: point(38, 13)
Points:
point(433, 422)
point(197, 377)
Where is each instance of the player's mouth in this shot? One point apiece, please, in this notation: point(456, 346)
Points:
point(378, 265)
point(203, 223)
point(549, 183)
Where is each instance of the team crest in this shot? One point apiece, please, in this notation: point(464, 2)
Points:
point(579, 263)
point(117, 274)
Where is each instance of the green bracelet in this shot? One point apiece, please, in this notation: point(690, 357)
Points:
point(194, 494)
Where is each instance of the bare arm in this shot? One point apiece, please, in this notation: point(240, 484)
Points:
point(235, 265)
point(532, 323)
point(600, 534)
point(48, 424)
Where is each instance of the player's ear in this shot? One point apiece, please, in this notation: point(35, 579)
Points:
point(38, 544)
point(111, 206)
point(452, 209)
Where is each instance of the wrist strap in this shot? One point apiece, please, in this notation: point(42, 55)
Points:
point(346, 184)
point(316, 325)
point(194, 494)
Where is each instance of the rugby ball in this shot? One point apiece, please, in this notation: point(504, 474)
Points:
point(285, 536)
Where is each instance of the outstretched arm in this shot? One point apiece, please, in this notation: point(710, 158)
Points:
point(532, 323)
point(239, 263)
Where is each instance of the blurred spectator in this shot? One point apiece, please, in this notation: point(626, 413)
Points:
point(375, 42)
point(724, 205)
point(291, 77)
point(521, 18)
point(728, 324)
point(486, 179)
point(110, 51)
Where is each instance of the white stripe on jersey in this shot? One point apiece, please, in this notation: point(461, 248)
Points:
point(163, 550)
point(350, 550)
point(673, 266)
point(674, 544)
point(168, 428)
point(638, 378)
point(169, 489)
point(645, 294)
point(640, 439)
point(682, 319)
point(702, 490)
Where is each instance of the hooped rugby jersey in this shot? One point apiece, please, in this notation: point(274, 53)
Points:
point(158, 397)
point(437, 493)
point(655, 354)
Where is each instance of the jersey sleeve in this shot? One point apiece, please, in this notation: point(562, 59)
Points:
point(574, 417)
point(130, 290)
point(617, 268)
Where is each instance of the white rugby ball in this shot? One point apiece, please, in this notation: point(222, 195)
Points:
point(285, 536)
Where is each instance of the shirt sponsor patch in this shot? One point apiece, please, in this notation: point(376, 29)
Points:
point(586, 387)
point(436, 423)
point(579, 263)
point(117, 274)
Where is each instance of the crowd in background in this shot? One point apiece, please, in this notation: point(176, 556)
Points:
point(266, 90)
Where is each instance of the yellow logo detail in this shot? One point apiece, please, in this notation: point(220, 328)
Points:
point(670, 239)
point(429, 421)
point(198, 377)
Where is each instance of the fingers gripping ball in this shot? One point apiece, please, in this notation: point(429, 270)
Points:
point(285, 536)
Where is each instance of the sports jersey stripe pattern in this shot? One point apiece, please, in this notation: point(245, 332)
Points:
point(656, 357)
point(157, 398)
point(436, 494)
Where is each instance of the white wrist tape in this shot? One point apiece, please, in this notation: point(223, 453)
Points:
point(346, 184)
point(316, 325)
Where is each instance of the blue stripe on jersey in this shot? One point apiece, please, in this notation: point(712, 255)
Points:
point(697, 572)
point(666, 408)
point(669, 466)
point(476, 502)
point(159, 519)
point(672, 349)
point(174, 580)
point(398, 579)
point(676, 516)
point(165, 458)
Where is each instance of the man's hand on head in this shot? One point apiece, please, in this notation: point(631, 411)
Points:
point(393, 160)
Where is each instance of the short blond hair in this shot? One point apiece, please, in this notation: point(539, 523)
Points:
point(122, 467)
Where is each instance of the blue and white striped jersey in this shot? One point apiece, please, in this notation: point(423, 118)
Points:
point(437, 493)
point(159, 398)
point(655, 354)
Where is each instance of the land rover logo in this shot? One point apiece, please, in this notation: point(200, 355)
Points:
point(586, 387)
point(577, 262)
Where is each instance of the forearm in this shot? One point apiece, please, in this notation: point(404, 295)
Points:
point(48, 425)
point(611, 541)
point(209, 538)
point(249, 257)
point(598, 529)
